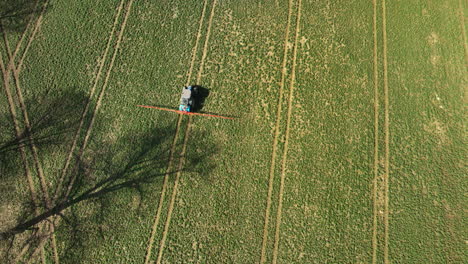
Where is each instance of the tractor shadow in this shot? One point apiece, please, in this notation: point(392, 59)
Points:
point(200, 97)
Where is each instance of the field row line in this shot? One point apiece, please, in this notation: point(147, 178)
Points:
point(11, 107)
point(27, 123)
point(376, 136)
point(102, 93)
point(37, 25)
point(68, 189)
point(276, 136)
point(173, 146)
point(85, 111)
point(49, 205)
point(387, 133)
point(174, 143)
point(286, 142)
point(11, 67)
point(187, 130)
point(277, 133)
point(381, 186)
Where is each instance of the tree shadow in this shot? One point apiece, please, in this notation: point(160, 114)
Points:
point(16, 14)
point(103, 174)
point(52, 118)
point(142, 171)
point(52, 121)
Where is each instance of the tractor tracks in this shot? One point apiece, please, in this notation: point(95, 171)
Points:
point(376, 135)
point(387, 133)
point(61, 189)
point(102, 93)
point(380, 183)
point(277, 135)
point(186, 137)
point(275, 140)
point(184, 145)
point(12, 69)
point(15, 70)
point(85, 111)
point(17, 129)
point(174, 142)
point(286, 142)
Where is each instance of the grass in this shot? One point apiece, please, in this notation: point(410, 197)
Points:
point(323, 186)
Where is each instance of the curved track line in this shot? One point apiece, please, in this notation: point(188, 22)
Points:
point(275, 140)
point(28, 45)
point(27, 125)
point(174, 142)
point(286, 142)
point(22, 252)
point(376, 136)
point(104, 86)
point(85, 111)
point(42, 241)
point(387, 133)
point(33, 147)
point(12, 109)
point(36, 28)
point(88, 131)
point(16, 70)
point(186, 137)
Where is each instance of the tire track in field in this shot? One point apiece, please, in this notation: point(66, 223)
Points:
point(6, 79)
point(103, 90)
point(387, 134)
point(17, 129)
point(186, 137)
point(77, 133)
point(195, 47)
point(463, 29)
point(91, 94)
point(41, 244)
point(376, 136)
point(42, 239)
point(16, 71)
point(276, 136)
point(27, 124)
point(286, 142)
point(88, 131)
point(101, 95)
point(174, 142)
point(32, 37)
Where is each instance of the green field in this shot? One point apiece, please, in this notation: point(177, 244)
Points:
point(349, 142)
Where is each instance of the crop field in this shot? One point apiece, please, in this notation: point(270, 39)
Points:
point(348, 143)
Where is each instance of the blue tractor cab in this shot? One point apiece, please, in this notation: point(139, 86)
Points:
point(187, 99)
